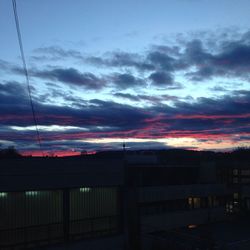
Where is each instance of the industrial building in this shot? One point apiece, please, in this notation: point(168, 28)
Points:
point(135, 202)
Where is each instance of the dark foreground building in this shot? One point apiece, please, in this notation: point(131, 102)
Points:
point(136, 202)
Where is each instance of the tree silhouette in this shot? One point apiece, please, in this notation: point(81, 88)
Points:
point(9, 152)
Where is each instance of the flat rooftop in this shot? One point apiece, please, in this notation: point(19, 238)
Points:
point(56, 173)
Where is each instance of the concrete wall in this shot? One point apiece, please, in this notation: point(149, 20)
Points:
point(152, 194)
point(173, 220)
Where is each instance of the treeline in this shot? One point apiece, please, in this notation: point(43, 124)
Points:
point(175, 156)
point(9, 152)
point(191, 156)
point(181, 156)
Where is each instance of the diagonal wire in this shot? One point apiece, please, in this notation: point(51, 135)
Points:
point(26, 72)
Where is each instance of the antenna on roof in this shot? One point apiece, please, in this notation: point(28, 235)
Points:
point(124, 146)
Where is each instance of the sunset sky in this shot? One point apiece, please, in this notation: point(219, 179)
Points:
point(153, 73)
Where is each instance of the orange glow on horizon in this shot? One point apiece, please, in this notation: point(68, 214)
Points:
point(55, 153)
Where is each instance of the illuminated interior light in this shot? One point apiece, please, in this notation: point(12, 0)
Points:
point(31, 193)
point(3, 194)
point(192, 226)
point(236, 195)
point(85, 189)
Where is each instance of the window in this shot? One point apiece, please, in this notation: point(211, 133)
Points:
point(194, 202)
point(229, 207)
point(197, 202)
point(3, 194)
point(190, 202)
point(235, 171)
point(210, 201)
point(203, 202)
point(31, 193)
point(236, 196)
point(245, 180)
point(245, 172)
point(85, 189)
point(235, 180)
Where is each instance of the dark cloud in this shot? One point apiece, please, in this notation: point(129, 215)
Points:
point(174, 51)
point(4, 65)
point(56, 93)
point(218, 89)
point(227, 57)
point(121, 59)
point(227, 114)
point(146, 98)
point(195, 53)
point(130, 97)
point(161, 60)
point(155, 59)
point(55, 53)
point(210, 119)
point(58, 147)
point(161, 79)
point(241, 92)
point(205, 118)
point(13, 94)
point(16, 111)
point(71, 76)
point(234, 55)
point(125, 81)
point(230, 60)
point(199, 59)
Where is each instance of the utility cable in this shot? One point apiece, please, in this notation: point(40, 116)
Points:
point(26, 72)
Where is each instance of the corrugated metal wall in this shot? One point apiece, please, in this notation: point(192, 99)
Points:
point(36, 217)
point(30, 216)
point(93, 210)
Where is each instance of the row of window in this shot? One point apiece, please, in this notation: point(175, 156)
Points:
point(36, 193)
point(182, 204)
point(243, 180)
point(241, 172)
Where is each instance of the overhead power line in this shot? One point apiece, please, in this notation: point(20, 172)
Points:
point(26, 72)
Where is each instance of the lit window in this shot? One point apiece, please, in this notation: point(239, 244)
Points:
point(192, 226)
point(236, 196)
point(229, 207)
point(3, 194)
point(31, 193)
point(197, 202)
point(85, 189)
point(190, 202)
